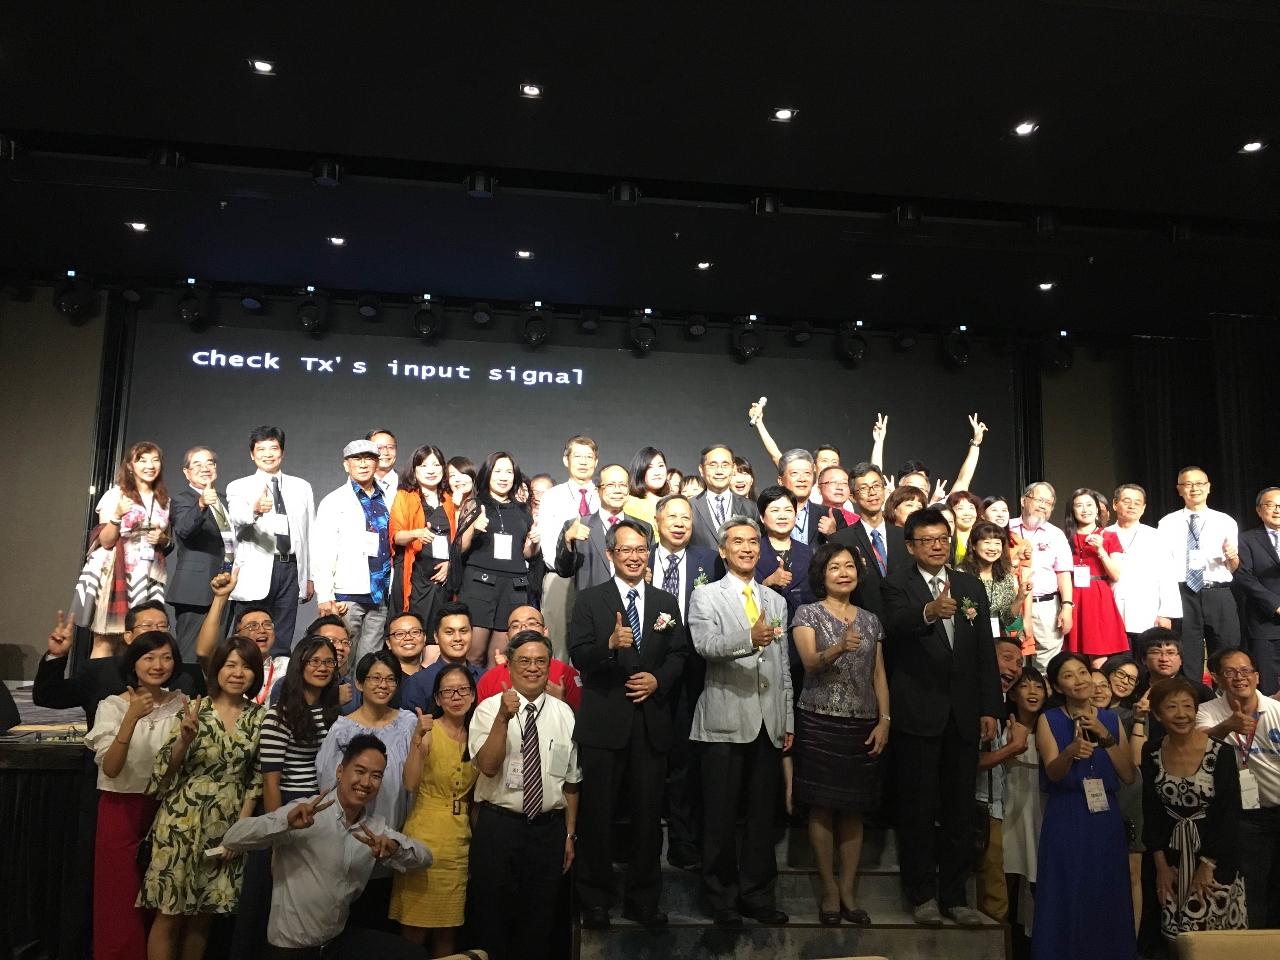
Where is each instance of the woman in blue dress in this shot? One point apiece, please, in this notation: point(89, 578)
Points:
point(1083, 905)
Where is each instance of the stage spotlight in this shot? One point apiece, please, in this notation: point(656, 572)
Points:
point(704, 265)
point(428, 320)
point(748, 339)
point(525, 254)
point(877, 276)
point(326, 173)
point(262, 68)
point(905, 339)
point(480, 185)
point(1253, 146)
point(74, 298)
point(589, 320)
point(337, 241)
point(253, 300)
point(368, 307)
point(195, 306)
point(1046, 285)
point(8, 147)
point(168, 157)
point(908, 214)
point(697, 326)
point(537, 327)
point(766, 205)
point(1026, 128)
point(137, 226)
point(481, 314)
point(312, 312)
point(954, 348)
point(624, 194)
point(851, 345)
point(532, 91)
point(644, 332)
point(801, 332)
point(784, 114)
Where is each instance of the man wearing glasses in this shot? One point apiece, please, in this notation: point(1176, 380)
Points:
point(1202, 543)
point(1147, 595)
point(581, 554)
point(385, 473)
point(878, 545)
point(452, 634)
point(1258, 576)
point(1251, 724)
point(1051, 567)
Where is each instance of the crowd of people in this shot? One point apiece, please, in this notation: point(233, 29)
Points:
point(505, 666)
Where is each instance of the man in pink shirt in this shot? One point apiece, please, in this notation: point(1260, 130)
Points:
point(1051, 565)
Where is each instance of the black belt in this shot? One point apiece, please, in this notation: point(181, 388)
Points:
point(1045, 596)
point(291, 558)
point(540, 818)
point(1214, 586)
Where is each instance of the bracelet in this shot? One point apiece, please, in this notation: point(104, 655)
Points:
point(1068, 603)
point(115, 522)
point(1107, 743)
point(974, 443)
point(885, 716)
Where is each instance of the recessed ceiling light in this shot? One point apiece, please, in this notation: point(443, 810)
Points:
point(784, 114)
point(1253, 146)
point(191, 281)
point(264, 68)
point(1046, 285)
point(338, 241)
point(524, 254)
point(877, 276)
point(1062, 333)
point(704, 264)
point(532, 91)
point(137, 226)
point(1026, 128)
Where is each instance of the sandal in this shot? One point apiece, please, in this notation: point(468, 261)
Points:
point(856, 915)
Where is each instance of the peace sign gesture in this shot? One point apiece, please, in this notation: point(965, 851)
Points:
point(190, 721)
point(61, 635)
point(382, 846)
point(979, 430)
point(303, 815)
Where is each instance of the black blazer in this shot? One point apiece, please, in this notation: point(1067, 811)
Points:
point(868, 595)
point(96, 680)
point(605, 716)
point(697, 561)
point(704, 524)
point(932, 680)
point(197, 554)
point(1258, 578)
point(585, 561)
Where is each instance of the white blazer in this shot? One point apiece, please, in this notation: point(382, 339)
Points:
point(339, 563)
point(256, 536)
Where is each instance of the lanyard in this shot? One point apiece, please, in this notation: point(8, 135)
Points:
point(1247, 745)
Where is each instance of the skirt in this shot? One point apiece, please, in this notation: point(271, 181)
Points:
point(833, 766)
point(120, 928)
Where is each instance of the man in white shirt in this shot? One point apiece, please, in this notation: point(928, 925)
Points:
point(1051, 568)
point(385, 475)
point(1251, 724)
point(1203, 544)
point(576, 497)
point(522, 844)
point(878, 545)
point(1147, 591)
point(351, 550)
point(272, 514)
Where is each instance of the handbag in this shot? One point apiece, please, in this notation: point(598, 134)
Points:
point(143, 856)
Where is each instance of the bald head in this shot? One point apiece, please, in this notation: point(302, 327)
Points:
point(526, 618)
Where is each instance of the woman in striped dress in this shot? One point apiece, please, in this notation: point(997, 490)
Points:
point(297, 724)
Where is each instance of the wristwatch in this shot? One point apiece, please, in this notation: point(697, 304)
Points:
point(572, 836)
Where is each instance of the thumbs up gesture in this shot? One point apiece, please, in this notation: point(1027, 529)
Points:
point(577, 531)
point(1241, 722)
point(621, 638)
point(827, 525)
point(943, 606)
point(141, 703)
point(851, 639)
point(123, 506)
point(509, 705)
point(425, 721)
point(209, 496)
point(482, 521)
point(265, 502)
point(1229, 552)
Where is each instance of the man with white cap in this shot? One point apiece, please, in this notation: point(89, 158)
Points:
point(351, 550)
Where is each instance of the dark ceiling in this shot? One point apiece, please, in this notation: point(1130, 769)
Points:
point(1143, 107)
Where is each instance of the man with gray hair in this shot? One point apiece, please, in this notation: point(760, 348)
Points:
point(1045, 550)
point(717, 502)
point(796, 473)
point(744, 721)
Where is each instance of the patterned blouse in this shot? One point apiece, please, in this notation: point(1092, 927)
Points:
point(1000, 594)
point(846, 688)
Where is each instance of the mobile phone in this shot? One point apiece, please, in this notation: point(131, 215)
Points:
point(227, 565)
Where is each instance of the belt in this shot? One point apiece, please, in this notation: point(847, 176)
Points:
point(1040, 598)
point(503, 811)
point(1214, 586)
point(291, 558)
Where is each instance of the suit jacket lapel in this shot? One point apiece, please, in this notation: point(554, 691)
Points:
point(1266, 540)
point(938, 632)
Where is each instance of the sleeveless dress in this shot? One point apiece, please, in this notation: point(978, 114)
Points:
point(1083, 904)
point(1097, 629)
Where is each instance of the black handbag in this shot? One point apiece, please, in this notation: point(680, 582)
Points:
point(143, 856)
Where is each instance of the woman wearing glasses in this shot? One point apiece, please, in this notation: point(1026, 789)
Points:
point(440, 775)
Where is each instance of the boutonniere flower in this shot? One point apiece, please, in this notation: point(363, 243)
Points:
point(701, 579)
point(776, 623)
point(970, 609)
point(665, 621)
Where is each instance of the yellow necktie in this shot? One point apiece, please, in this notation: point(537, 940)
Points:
point(753, 612)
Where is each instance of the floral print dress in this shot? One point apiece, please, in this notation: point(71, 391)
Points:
point(199, 804)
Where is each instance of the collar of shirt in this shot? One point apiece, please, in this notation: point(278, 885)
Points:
point(271, 476)
point(537, 703)
point(359, 491)
point(662, 553)
point(868, 526)
point(605, 514)
point(928, 577)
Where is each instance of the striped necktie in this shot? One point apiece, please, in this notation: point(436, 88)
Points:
point(532, 764)
point(1195, 578)
point(633, 617)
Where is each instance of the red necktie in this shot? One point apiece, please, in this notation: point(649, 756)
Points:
point(613, 521)
point(583, 509)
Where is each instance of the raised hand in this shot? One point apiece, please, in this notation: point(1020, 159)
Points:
point(223, 583)
point(779, 578)
point(190, 721)
point(266, 503)
point(944, 606)
point(208, 496)
point(764, 633)
point(1094, 726)
point(482, 522)
point(1229, 552)
point(61, 635)
point(851, 639)
point(1241, 722)
point(1142, 707)
point(939, 491)
point(889, 485)
point(1080, 748)
point(1019, 736)
point(344, 694)
point(303, 815)
point(555, 690)
point(141, 703)
point(827, 524)
point(1094, 540)
point(755, 413)
point(978, 427)
point(123, 506)
point(381, 845)
point(425, 535)
point(425, 721)
point(532, 538)
point(621, 638)
point(509, 705)
point(881, 428)
point(577, 531)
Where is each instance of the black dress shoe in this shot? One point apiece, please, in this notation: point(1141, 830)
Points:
point(726, 918)
point(655, 919)
point(595, 918)
point(770, 916)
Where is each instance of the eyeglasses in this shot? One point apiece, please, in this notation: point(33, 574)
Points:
point(1240, 673)
point(1126, 678)
point(1128, 502)
point(455, 693)
point(346, 644)
point(515, 626)
point(1271, 506)
point(255, 626)
point(384, 447)
point(160, 625)
point(933, 541)
point(414, 634)
point(869, 488)
point(322, 662)
point(379, 681)
point(630, 551)
point(1195, 485)
point(619, 485)
point(1041, 501)
point(531, 661)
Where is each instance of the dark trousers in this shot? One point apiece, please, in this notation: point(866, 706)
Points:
point(516, 869)
point(1260, 865)
point(352, 944)
point(684, 780)
point(249, 938)
point(186, 627)
point(282, 600)
point(733, 774)
point(1266, 656)
point(1211, 616)
point(936, 779)
point(637, 770)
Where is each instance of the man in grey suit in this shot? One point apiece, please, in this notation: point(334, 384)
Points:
point(744, 721)
point(581, 554)
point(717, 503)
point(203, 542)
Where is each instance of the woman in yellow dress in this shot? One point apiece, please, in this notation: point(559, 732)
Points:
point(440, 777)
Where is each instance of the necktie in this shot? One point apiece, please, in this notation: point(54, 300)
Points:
point(720, 518)
point(850, 518)
point(671, 576)
point(1275, 540)
point(583, 509)
point(633, 617)
point(613, 521)
point(753, 612)
point(1195, 578)
point(224, 527)
point(877, 547)
point(284, 546)
point(532, 764)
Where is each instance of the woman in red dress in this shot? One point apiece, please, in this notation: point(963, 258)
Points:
point(1097, 630)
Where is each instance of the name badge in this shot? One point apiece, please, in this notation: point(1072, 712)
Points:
point(440, 546)
point(1080, 576)
point(513, 776)
point(502, 546)
point(995, 627)
point(1195, 559)
point(146, 551)
point(1249, 799)
point(370, 542)
point(1095, 795)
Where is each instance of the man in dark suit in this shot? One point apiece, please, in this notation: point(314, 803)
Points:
point(877, 545)
point(797, 473)
point(945, 696)
point(581, 554)
point(717, 503)
point(628, 641)
point(203, 541)
point(1258, 578)
point(678, 567)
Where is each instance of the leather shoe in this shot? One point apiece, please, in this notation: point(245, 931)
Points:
point(965, 916)
point(595, 918)
point(655, 919)
point(770, 916)
point(927, 914)
point(726, 918)
point(856, 915)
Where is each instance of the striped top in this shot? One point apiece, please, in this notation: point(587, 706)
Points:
point(280, 753)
